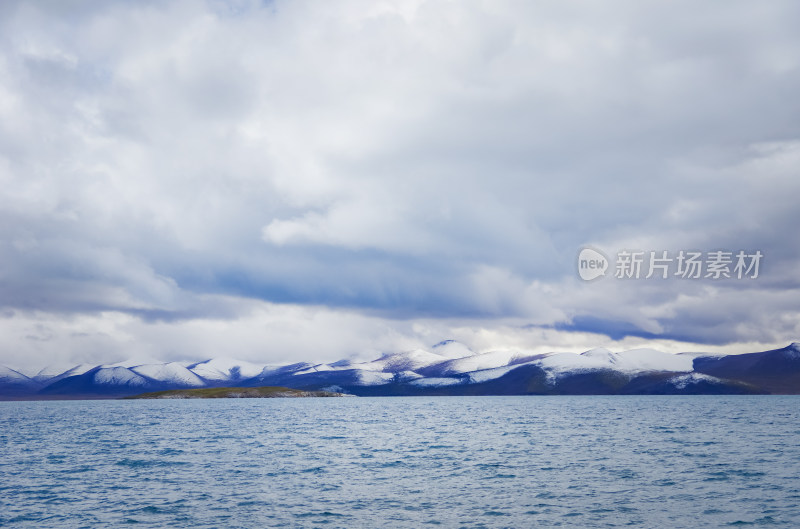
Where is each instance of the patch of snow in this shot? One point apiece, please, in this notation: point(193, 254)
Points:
point(563, 362)
point(52, 371)
point(75, 371)
point(405, 376)
point(452, 349)
point(374, 378)
point(484, 375)
point(653, 360)
point(321, 368)
point(220, 369)
point(436, 381)
point(633, 361)
point(408, 361)
point(482, 361)
point(682, 381)
point(118, 376)
point(13, 376)
point(793, 351)
point(598, 352)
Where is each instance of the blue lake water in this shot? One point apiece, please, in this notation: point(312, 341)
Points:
point(705, 461)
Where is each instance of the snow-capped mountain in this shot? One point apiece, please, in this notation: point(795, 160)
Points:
point(225, 369)
point(477, 362)
point(408, 361)
point(447, 368)
point(633, 361)
point(131, 377)
point(9, 375)
point(173, 373)
point(118, 376)
point(452, 349)
point(14, 383)
point(52, 373)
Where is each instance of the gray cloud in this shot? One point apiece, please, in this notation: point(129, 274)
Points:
point(402, 160)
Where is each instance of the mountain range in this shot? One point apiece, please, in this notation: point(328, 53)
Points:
point(448, 368)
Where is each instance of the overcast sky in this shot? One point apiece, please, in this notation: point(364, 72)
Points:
point(310, 180)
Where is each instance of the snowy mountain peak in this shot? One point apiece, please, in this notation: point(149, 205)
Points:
point(452, 349)
point(793, 350)
point(11, 375)
point(224, 368)
point(52, 371)
point(77, 370)
point(654, 360)
point(602, 354)
point(597, 352)
point(635, 360)
point(478, 362)
point(118, 376)
point(172, 372)
point(407, 361)
point(285, 369)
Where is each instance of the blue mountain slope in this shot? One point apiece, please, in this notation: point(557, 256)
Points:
point(775, 371)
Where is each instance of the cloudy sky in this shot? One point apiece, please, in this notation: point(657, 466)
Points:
point(308, 180)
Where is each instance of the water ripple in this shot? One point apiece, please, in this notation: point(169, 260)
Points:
point(402, 462)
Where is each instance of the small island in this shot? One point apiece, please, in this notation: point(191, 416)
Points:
point(264, 392)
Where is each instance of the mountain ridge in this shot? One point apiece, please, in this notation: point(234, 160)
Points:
point(448, 368)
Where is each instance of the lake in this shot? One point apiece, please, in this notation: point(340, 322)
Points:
point(568, 461)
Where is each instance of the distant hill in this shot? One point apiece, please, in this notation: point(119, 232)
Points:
point(448, 368)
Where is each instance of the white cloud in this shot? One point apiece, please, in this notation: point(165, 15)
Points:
point(400, 160)
point(276, 334)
